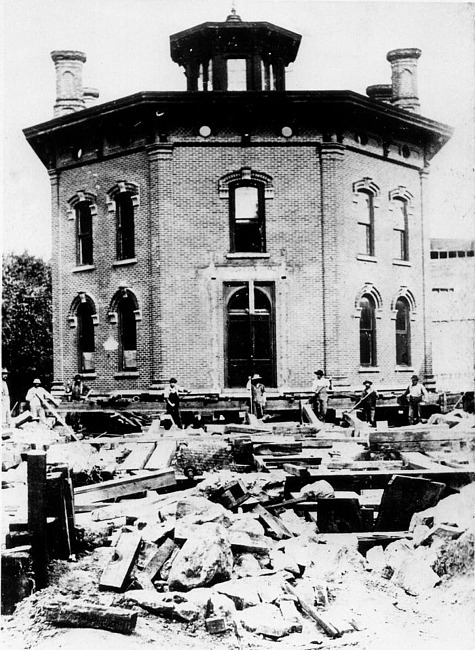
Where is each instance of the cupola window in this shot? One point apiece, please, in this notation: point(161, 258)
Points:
point(237, 74)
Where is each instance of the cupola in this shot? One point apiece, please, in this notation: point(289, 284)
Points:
point(235, 55)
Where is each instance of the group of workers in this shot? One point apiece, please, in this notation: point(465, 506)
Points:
point(76, 391)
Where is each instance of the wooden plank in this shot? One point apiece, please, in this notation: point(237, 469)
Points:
point(277, 448)
point(310, 416)
point(117, 570)
point(402, 497)
point(273, 523)
point(36, 486)
point(417, 460)
point(296, 470)
point(158, 560)
point(113, 619)
point(311, 611)
point(116, 488)
point(162, 456)
point(139, 456)
point(364, 465)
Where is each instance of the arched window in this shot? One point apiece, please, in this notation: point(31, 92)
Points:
point(85, 340)
point(125, 227)
point(364, 205)
point(127, 334)
point(247, 218)
point(84, 247)
point(367, 331)
point(403, 333)
point(401, 240)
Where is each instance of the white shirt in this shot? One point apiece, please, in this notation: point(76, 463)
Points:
point(417, 390)
point(320, 386)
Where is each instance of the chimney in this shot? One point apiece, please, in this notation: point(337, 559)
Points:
point(404, 78)
point(69, 89)
point(90, 95)
point(380, 92)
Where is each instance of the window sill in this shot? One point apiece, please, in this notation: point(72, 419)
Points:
point(401, 263)
point(366, 258)
point(84, 374)
point(368, 369)
point(131, 260)
point(84, 267)
point(127, 374)
point(237, 256)
point(403, 369)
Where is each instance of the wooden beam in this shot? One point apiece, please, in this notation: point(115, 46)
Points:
point(311, 611)
point(118, 569)
point(113, 619)
point(162, 456)
point(138, 457)
point(117, 488)
point(273, 523)
point(36, 480)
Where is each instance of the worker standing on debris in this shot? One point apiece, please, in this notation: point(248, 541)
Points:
point(38, 397)
point(368, 402)
point(6, 419)
point(258, 395)
point(172, 398)
point(320, 387)
point(416, 393)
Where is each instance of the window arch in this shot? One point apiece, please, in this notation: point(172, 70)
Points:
point(367, 331)
point(403, 332)
point(246, 191)
point(83, 316)
point(365, 194)
point(122, 202)
point(400, 204)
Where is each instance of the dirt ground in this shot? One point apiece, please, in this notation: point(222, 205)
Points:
point(387, 617)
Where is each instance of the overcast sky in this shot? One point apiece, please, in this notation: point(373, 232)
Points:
point(344, 46)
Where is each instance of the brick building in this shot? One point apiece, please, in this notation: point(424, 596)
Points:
point(239, 227)
point(452, 274)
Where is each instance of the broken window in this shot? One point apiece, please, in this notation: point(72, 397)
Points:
point(401, 247)
point(84, 233)
point(367, 331)
point(247, 218)
point(86, 344)
point(127, 334)
point(125, 226)
point(403, 333)
point(365, 217)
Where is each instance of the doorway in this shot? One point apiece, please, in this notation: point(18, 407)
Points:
point(250, 332)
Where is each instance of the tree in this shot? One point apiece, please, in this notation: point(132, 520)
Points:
point(27, 340)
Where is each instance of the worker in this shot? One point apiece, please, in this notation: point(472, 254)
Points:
point(320, 387)
point(172, 395)
point(38, 398)
point(416, 393)
point(258, 395)
point(76, 390)
point(6, 418)
point(368, 402)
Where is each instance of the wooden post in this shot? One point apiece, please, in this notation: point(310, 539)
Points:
point(56, 507)
point(36, 477)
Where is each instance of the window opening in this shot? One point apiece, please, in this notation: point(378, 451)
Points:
point(237, 74)
point(401, 249)
point(86, 344)
point(127, 334)
point(125, 226)
point(365, 216)
point(367, 332)
point(84, 233)
point(403, 331)
point(247, 219)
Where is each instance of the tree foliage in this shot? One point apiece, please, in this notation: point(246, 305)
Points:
point(27, 341)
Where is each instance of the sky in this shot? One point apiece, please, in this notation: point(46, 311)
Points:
point(344, 46)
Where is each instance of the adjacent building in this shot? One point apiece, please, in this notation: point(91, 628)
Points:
point(239, 227)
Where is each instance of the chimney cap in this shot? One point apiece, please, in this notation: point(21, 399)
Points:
point(380, 91)
point(91, 93)
point(403, 53)
point(68, 55)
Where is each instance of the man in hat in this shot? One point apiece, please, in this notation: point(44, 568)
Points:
point(416, 393)
point(172, 399)
point(6, 420)
point(320, 387)
point(37, 397)
point(76, 390)
point(368, 402)
point(258, 394)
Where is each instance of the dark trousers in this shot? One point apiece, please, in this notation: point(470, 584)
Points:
point(174, 412)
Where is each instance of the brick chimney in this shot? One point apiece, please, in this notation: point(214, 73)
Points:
point(69, 88)
point(404, 78)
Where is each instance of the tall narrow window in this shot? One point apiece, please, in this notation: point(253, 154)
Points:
point(367, 332)
point(401, 248)
point(84, 233)
point(86, 345)
point(125, 226)
point(365, 217)
point(403, 333)
point(127, 335)
point(247, 219)
point(237, 74)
